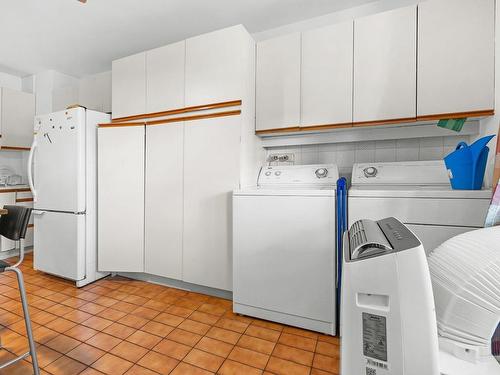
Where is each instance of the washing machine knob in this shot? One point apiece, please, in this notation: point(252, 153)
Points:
point(321, 172)
point(370, 171)
point(267, 173)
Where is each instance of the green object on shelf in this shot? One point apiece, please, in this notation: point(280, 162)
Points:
point(455, 124)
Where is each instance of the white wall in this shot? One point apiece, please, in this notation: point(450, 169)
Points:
point(10, 81)
point(346, 154)
point(95, 92)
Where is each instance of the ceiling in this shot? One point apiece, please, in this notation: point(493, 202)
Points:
point(80, 39)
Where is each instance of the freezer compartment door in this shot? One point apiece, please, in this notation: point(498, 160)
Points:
point(59, 247)
point(59, 161)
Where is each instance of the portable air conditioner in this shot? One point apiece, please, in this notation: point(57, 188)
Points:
point(403, 314)
point(388, 323)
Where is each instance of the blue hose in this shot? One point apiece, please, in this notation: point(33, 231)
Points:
point(341, 228)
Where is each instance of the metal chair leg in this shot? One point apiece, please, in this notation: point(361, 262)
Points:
point(29, 331)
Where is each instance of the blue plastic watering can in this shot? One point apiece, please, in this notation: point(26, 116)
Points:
point(467, 164)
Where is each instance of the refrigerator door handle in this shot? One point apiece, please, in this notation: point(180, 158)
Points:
point(30, 169)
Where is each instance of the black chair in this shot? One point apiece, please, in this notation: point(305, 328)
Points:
point(13, 226)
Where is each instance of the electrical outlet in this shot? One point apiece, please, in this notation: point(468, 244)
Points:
point(284, 158)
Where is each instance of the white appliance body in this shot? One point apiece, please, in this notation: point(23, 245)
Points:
point(284, 258)
point(62, 176)
point(465, 278)
point(387, 313)
point(418, 194)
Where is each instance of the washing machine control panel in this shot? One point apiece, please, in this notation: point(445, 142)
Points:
point(299, 175)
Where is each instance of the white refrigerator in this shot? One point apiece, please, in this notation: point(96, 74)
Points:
point(62, 174)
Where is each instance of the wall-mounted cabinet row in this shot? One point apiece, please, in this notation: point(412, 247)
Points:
point(373, 69)
point(201, 70)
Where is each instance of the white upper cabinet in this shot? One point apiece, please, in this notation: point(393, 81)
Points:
point(215, 65)
point(385, 75)
point(327, 75)
point(163, 196)
point(129, 86)
point(17, 113)
point(278, 82)
point(120, 198)
point(456, 44)
point(165, 77)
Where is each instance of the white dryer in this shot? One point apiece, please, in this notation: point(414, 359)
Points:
point(419, 194)
point(284, 252)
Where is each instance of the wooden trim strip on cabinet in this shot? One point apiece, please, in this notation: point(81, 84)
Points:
point(194, 117)
point(483, 113)
point(120, 124)
point(15, 148)
point(197, 108)
point(326, 126)
point(384, 122)
point(19, 200)
point(279, 130)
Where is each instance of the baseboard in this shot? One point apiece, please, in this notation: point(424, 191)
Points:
point(165, 281)
point(14, 253)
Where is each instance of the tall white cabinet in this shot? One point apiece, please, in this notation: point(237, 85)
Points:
point(456, 46)
point(120, 198)
point(164, 183)
point(385, 66)
point(182, 168)
point(211, 173)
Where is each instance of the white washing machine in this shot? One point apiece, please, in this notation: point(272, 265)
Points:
point(284, 252)
point(420, 195)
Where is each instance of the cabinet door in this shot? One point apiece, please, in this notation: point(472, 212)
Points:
point(456, 46)
point(17, 115)
point(211, 173)
point(164, 184)
point(25, 199)
point(326, 74)
point(278, 82)
point(120, 199)
point(129, 86)
point(7, 199)
point(385, 60)
point(165, 77)
point(217, 66)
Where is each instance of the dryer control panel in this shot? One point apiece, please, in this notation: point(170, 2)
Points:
point(431, 172)
point(315, 176)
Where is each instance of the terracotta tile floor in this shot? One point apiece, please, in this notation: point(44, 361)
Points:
point(121, 326)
